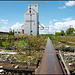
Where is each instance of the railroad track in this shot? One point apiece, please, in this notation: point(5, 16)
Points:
point(49, 63)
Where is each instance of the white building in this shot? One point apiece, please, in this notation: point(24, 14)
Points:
point(18, 32)
point(31, 23)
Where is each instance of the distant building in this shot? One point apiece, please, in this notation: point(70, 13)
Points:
point(5, 34)
point(18, 32)
point(31, 23)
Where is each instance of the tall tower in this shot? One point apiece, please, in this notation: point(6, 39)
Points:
point(31, 23)
point(33, 6)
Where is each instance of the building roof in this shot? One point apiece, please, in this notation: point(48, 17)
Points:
point(4, 32)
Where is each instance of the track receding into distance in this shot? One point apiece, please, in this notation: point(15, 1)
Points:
point(49, 63)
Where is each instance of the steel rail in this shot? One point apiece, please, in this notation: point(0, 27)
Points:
point(49, 63)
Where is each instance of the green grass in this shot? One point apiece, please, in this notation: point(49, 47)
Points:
point(37, 42)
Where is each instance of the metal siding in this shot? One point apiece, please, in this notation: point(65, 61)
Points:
point(33, 24)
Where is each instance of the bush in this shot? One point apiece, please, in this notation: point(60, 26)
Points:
point(22, 45)
point(5, 45)
point(57, 33)
point(72, 34)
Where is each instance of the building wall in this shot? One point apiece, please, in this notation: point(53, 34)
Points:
point(34, 6)
point(31, 22)
point(18, 32)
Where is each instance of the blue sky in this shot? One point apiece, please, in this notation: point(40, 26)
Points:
point(57, 15)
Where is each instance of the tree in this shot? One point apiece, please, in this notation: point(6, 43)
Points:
point(62, 33)
point(69, 31)
point(11, 32)
point(57, 33)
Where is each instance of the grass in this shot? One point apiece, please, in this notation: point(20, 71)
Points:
point(27, 41)
point(36, 42)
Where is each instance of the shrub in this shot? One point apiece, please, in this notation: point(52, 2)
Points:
point(72, 34)
point(57, 33)
point(22, 45)
point(5, 45)
point(21, 38)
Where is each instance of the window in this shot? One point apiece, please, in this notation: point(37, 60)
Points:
point(19, 32)
point(15, 32)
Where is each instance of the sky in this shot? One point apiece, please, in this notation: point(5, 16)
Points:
point(57, 15)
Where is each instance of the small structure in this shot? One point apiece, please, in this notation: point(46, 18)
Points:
point(18, 32)
point(5, 34)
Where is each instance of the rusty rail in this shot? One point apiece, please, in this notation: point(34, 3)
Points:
point(49, 63)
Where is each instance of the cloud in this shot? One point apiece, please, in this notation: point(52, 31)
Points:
point(68, 19)
point(3, 21)
point(4, 29)
point(62, 7)
point(70, 3)
point(58, 26)
point(55, 20)
point(15, 27)
point(50, 22)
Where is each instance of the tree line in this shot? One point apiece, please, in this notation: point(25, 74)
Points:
point(69, 31)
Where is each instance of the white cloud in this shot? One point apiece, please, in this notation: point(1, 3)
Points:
point(70, 3)
point(15, 27)
point(58, 26)
point(68, 19)
point(55, 20)
point(4, 21)
point(62, 7)
point(4, 29)
point(50, 22)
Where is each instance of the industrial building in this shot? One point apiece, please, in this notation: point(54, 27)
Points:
point(31, 23)
point(4, 34)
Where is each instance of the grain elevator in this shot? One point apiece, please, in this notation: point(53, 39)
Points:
point(31, 23)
